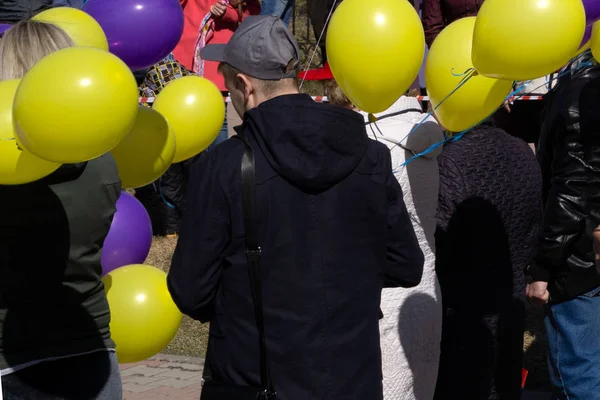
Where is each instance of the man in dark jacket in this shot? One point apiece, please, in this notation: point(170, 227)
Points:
point(333, 228)
point(438, 14)
point(564, 274)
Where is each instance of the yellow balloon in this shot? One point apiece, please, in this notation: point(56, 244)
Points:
point(375, 50)
point(526, 39)
point(17, 166)
point(92, 106)
point(594, 43)
point(147, 151)
point(583, 48)
point(195, 111)
point(143, 317)
point(80, 26)
point(449, 57)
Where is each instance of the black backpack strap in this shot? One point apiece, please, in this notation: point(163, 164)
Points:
point(253, 255)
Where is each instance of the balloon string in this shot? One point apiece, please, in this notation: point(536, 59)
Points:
point(468, 74)
point(454, 137)
point(162, 196)
point(468, 71)
point(317, 45)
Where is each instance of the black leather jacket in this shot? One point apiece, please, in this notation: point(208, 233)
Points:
point(12, 11)
point(569, 155)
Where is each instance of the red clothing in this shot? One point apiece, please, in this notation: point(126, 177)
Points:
point(194, 11)
point(437, 14)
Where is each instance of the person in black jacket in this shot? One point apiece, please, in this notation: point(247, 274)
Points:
point(334, 230)
point(488, 221)
point(55, 341)
point(564, 273)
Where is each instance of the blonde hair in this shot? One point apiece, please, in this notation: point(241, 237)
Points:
point(335, 95)
point(26, 43)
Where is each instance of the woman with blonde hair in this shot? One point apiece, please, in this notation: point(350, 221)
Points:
point(54, 317)
point(411, 324)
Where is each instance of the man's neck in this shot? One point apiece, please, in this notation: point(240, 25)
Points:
point(278, 94)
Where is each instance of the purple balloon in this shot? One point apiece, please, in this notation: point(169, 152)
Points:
point(139, 32)
point(592, 10)
point(4, 28)
point(587, 35)
point(130, 236)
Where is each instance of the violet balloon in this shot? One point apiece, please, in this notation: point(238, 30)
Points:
point(130, 236)
point(4, 28)
point(587, 35)
point(592, 10)
point(139, 32)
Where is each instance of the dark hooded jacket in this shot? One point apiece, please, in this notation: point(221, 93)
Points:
point(333, 230)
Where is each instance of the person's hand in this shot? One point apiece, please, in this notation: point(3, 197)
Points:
point(537, 292)
point(597, 247)
point(507, 106)
point(218, 10)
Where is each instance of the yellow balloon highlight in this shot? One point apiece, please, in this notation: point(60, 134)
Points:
point(195, 110)
point(80, 26)
point(449, 57)
point(147, 151)
point(143, 317)
point(526, 39)
point(375, 50)
point(16, 165)
point(92, 106)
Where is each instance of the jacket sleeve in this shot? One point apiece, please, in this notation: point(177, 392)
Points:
point(196, 269)
point(404, 267)
point(231, 14)
point(574, 191)
point(433, 19)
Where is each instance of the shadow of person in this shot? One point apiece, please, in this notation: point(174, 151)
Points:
point(418, 327)
point(423, 176)
point(482, 331)
point(41, 316)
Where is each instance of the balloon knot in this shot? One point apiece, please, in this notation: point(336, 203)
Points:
point(372, 118)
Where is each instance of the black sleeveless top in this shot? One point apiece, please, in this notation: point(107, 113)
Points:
point(52, 301)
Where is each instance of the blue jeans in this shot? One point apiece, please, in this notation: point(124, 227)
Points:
point(280, 8)
point(573, 329)
point(94, 376)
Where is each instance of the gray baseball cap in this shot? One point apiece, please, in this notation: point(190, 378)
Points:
point(261, 47)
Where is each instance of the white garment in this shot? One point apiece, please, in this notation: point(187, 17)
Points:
point(412, 318)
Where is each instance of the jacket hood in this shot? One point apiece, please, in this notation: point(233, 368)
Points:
point(396, 123)
point(312, 145)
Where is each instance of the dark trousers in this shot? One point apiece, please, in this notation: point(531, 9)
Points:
point(318, 11)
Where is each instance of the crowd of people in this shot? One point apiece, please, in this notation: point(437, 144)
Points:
point(335, 255)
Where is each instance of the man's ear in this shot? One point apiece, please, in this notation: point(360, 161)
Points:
point(244, 84)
